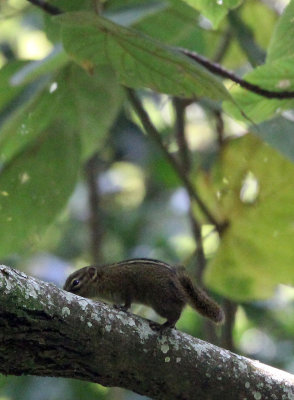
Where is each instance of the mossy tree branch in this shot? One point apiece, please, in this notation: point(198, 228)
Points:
point(48, 332)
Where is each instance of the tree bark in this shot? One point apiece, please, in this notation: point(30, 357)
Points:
point(46, 331)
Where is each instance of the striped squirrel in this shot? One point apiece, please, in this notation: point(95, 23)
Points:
point(165, 288)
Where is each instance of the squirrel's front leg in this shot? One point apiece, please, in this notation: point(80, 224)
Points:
point(125, 307)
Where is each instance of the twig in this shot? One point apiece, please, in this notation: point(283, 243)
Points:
point(97, 6)
point(219, 128)
point(225, 73)
point(180, 107)
point(209, 328)
point(200, 255)
point(224, 45)
point(91, 172)
point(230, 308)
point(227, 340)
point(245, 37)
point(154, 134)
point(47, 7)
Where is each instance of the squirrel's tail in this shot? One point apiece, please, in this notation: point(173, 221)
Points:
point(199, 300)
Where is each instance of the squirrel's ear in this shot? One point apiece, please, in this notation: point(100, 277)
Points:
point(92, 272)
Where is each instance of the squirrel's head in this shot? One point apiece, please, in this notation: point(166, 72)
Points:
point(81, 282)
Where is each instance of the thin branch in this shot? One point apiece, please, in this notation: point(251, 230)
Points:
point(209, 328)
point(200, 255)
point(227, 340)
point(96, 232)
point(46, 331)
point(97, 6)
point(211, 66)
point(245, 37)
point(180, 108)
point(47, 7)
point(221, 71)
point(223, 47)
point(219, 128)
point(230, 307)
point(155, 135)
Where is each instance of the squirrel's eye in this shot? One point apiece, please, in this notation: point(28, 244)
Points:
point(75, 283)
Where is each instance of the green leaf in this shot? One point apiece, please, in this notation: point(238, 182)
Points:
point(9, 92)
point(138, 60)
point(74, 98)
point(52, 29)
point(214, 10)
point(276, 74)
point(128, 16)
point(96, 101)
point(278, 132)
point(175, 25)
point(34, 187)
point(282, 42)
point(256, 251)
point(27, 121)
point(252, 12)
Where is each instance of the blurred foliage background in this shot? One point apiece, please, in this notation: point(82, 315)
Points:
point(81, 182)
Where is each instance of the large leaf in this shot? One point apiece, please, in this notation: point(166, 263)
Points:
point(96, 101)
point(214, 10)
point(256, 251)
point(128, 16)
point(34, 187)
point(26, 122)
point(52, 28)
point(81, 102)
point(138, 60)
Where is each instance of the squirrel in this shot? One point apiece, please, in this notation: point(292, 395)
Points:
point(164, 288)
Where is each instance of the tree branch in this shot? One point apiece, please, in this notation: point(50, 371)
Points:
point(184, 154)
point(225, 73)
point(227, 340)
point(92, 169)
point(47, 7)
point(46, 331)
point(152, 132)
point(219, 129)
